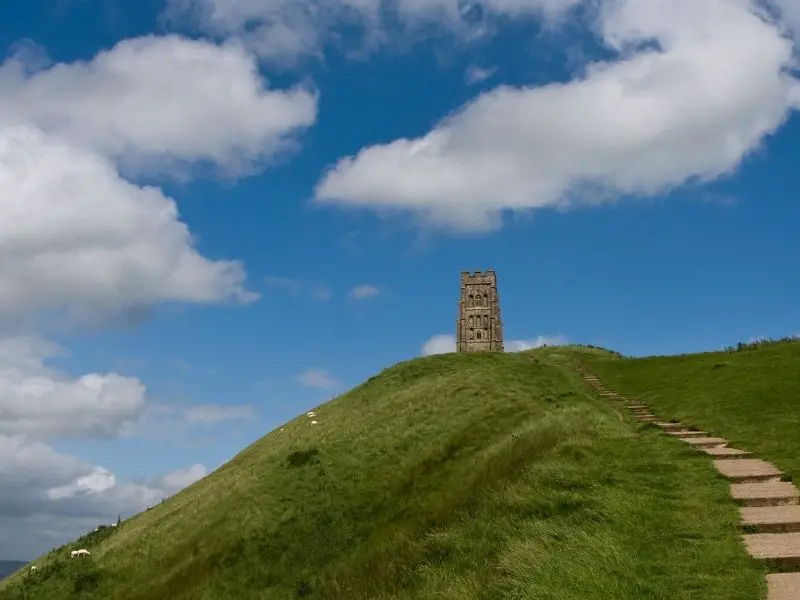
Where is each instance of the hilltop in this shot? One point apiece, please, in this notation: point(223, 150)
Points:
point(460, 476)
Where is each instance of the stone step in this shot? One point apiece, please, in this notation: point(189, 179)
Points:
point(780, 550)
point(642, 413)
point(726, 453)
point(648, 419)
point(783, 586)
point(771, 519)
point(748, 470)
point(705, 442)
point(778, 493)
point(670, 426)
point(688, 434)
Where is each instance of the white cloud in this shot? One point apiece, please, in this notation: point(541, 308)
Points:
point(439, 344)
point(40, 402)
point(364, 291)
point(537, 342)
point(475, 75)
point(157, 103)
point(50, 498)
point(647, 122)
point(216, 413)
point(445, 343)
point(790, 13)
point(76, 236)
point(319, 379)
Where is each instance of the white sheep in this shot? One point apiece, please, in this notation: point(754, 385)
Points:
point(34, 567)
point(81, 552)
point(313, 422)
point(311, 414)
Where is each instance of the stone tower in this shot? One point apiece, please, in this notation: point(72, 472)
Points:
point(479, 327)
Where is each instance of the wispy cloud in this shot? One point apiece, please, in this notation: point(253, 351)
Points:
point(319, 379)
point(176, 421)
point(299, 287)
point(475, 75)
point(216, 413)
point(364, 291)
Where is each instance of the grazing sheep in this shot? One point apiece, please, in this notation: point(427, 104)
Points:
point(314, 422)
point(81, 552)
point(34, 567)
point(311, 414)
point(113, 524)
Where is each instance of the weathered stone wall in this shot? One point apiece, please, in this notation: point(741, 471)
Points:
point(479, 327)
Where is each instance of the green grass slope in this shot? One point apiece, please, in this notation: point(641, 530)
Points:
point(461, 477)
point(751, 396)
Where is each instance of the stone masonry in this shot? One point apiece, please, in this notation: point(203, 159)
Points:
point(479, 327)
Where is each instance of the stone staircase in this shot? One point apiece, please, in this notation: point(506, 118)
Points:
point(768, 506)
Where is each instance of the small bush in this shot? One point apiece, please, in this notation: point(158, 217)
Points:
point(301, 458)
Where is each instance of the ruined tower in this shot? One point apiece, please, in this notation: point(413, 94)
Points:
point(479, 327)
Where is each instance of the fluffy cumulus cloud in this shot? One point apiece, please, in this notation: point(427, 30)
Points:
point(538, 342)
point(40, 402)
point(439, 344)
point(49, 497)
point(76, 235)
point(445, 343)
point(156, 103)
point(695, 87)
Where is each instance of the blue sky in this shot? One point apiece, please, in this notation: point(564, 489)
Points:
point(654, 228)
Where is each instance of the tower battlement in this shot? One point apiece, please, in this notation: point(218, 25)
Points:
point(488, 277)
point(479, 327)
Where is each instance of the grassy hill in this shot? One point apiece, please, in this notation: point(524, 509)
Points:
point(749, 395)
point(459, 477)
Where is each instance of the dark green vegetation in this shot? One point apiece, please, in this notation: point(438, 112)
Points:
point(460, 477)
point(7, 567)
point(750, 395)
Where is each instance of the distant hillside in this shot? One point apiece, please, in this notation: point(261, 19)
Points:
point(7, 567)
point(457, 477)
